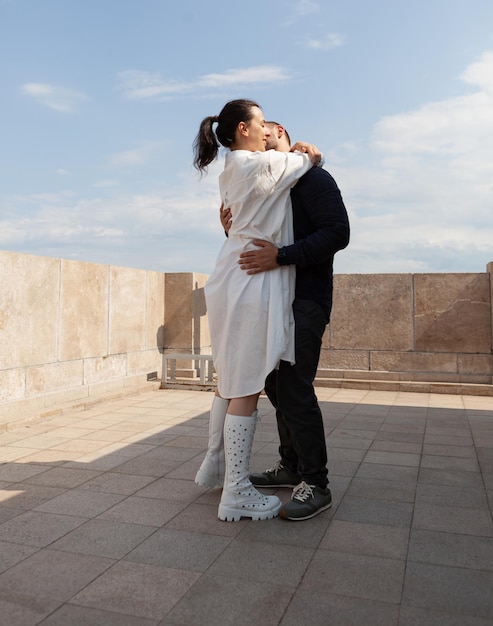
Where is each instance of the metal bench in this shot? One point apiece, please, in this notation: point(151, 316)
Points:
point(205, 366)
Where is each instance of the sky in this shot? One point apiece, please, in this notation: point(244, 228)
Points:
point(102, 99)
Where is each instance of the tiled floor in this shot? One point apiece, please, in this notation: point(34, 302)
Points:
point(102, 524)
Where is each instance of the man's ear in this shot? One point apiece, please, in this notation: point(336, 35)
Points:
point(280, 131)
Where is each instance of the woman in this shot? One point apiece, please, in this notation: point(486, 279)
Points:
point(250, 316)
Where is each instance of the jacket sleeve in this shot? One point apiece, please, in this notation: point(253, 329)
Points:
point(323, 208)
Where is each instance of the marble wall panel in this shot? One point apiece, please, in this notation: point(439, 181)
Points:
point(84, 294)
point(396, 361)
point(28, 309)
point(155, 310)
point(372, 312)
point(452, 312)
point(178, 312)
point(104, 368)
point(53, 376)
point(145, 361)
point(12, 384)
point(345, 359)
point(127, 311)
point(475, 363)
point(200, 326)
point(186, 327)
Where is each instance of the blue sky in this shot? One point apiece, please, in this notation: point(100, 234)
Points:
point(101, 101)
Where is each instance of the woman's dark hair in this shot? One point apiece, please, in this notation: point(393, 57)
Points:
point(206, 144)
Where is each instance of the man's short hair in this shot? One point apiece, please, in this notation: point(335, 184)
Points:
point(285, 131)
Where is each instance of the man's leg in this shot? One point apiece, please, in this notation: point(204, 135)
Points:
point(296, 397)
point(289, 458)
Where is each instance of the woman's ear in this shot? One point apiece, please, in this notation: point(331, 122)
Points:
point(243, 128)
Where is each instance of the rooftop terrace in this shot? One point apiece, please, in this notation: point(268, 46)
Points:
point(102, 524)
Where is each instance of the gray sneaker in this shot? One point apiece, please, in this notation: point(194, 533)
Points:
point(276, 476)
point(306, 502)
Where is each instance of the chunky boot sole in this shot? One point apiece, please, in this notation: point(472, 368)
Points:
point(230, 514)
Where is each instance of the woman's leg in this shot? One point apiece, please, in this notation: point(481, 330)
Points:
point(243, 406)
point(211, 472)
point(240, 498)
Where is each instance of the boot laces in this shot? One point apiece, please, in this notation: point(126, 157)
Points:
point(302, 492)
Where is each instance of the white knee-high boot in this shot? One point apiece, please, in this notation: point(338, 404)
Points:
point(211, 472)
point(240, 498)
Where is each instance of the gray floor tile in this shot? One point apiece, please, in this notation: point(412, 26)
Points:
point(343, 567)
point(180, 550)
point(456, 451)
point(396, 446)
point(345, 454)
point(146, 511)
point(450, 477)
point(449, 495)
point(453, 519)
point(398, 436)
point(248, 602)
point(360, 576)
point(384, 512)
point(449, 463)
point(52, 575)
point(174, 490)
point(444, 548)
point(37, 528)
point(145, 466)
point(392, 458)
point(305, 535)
point(71, 615)
point(13, 553)
point(62, 477)
point(387, 472)
point(449, 589)
point(262, 562)
point(21, 610)
point(320, 609)
point(112, 482)
point(382, 490)
point(369, 539)
point(23, 496)
point(485, 457)
point(412, 616)
point(14, 473)
point(80, 502)
point(104, 538)
point(7, 513)
point(137, 589)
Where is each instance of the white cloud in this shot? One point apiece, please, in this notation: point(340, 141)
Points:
point(56, 98)
point(300, 9)
point(134, 156)
point(107, 183)
point(424, 194)
point(331, 40)
point(418, 193)
point(62, 172)
point(141, 85)
point(247, 76)
point(175, 229)
point(480, 73)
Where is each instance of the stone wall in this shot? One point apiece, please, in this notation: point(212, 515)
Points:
point(73, 331)
point(435, 327)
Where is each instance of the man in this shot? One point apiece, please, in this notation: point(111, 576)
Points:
point(321, 228)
